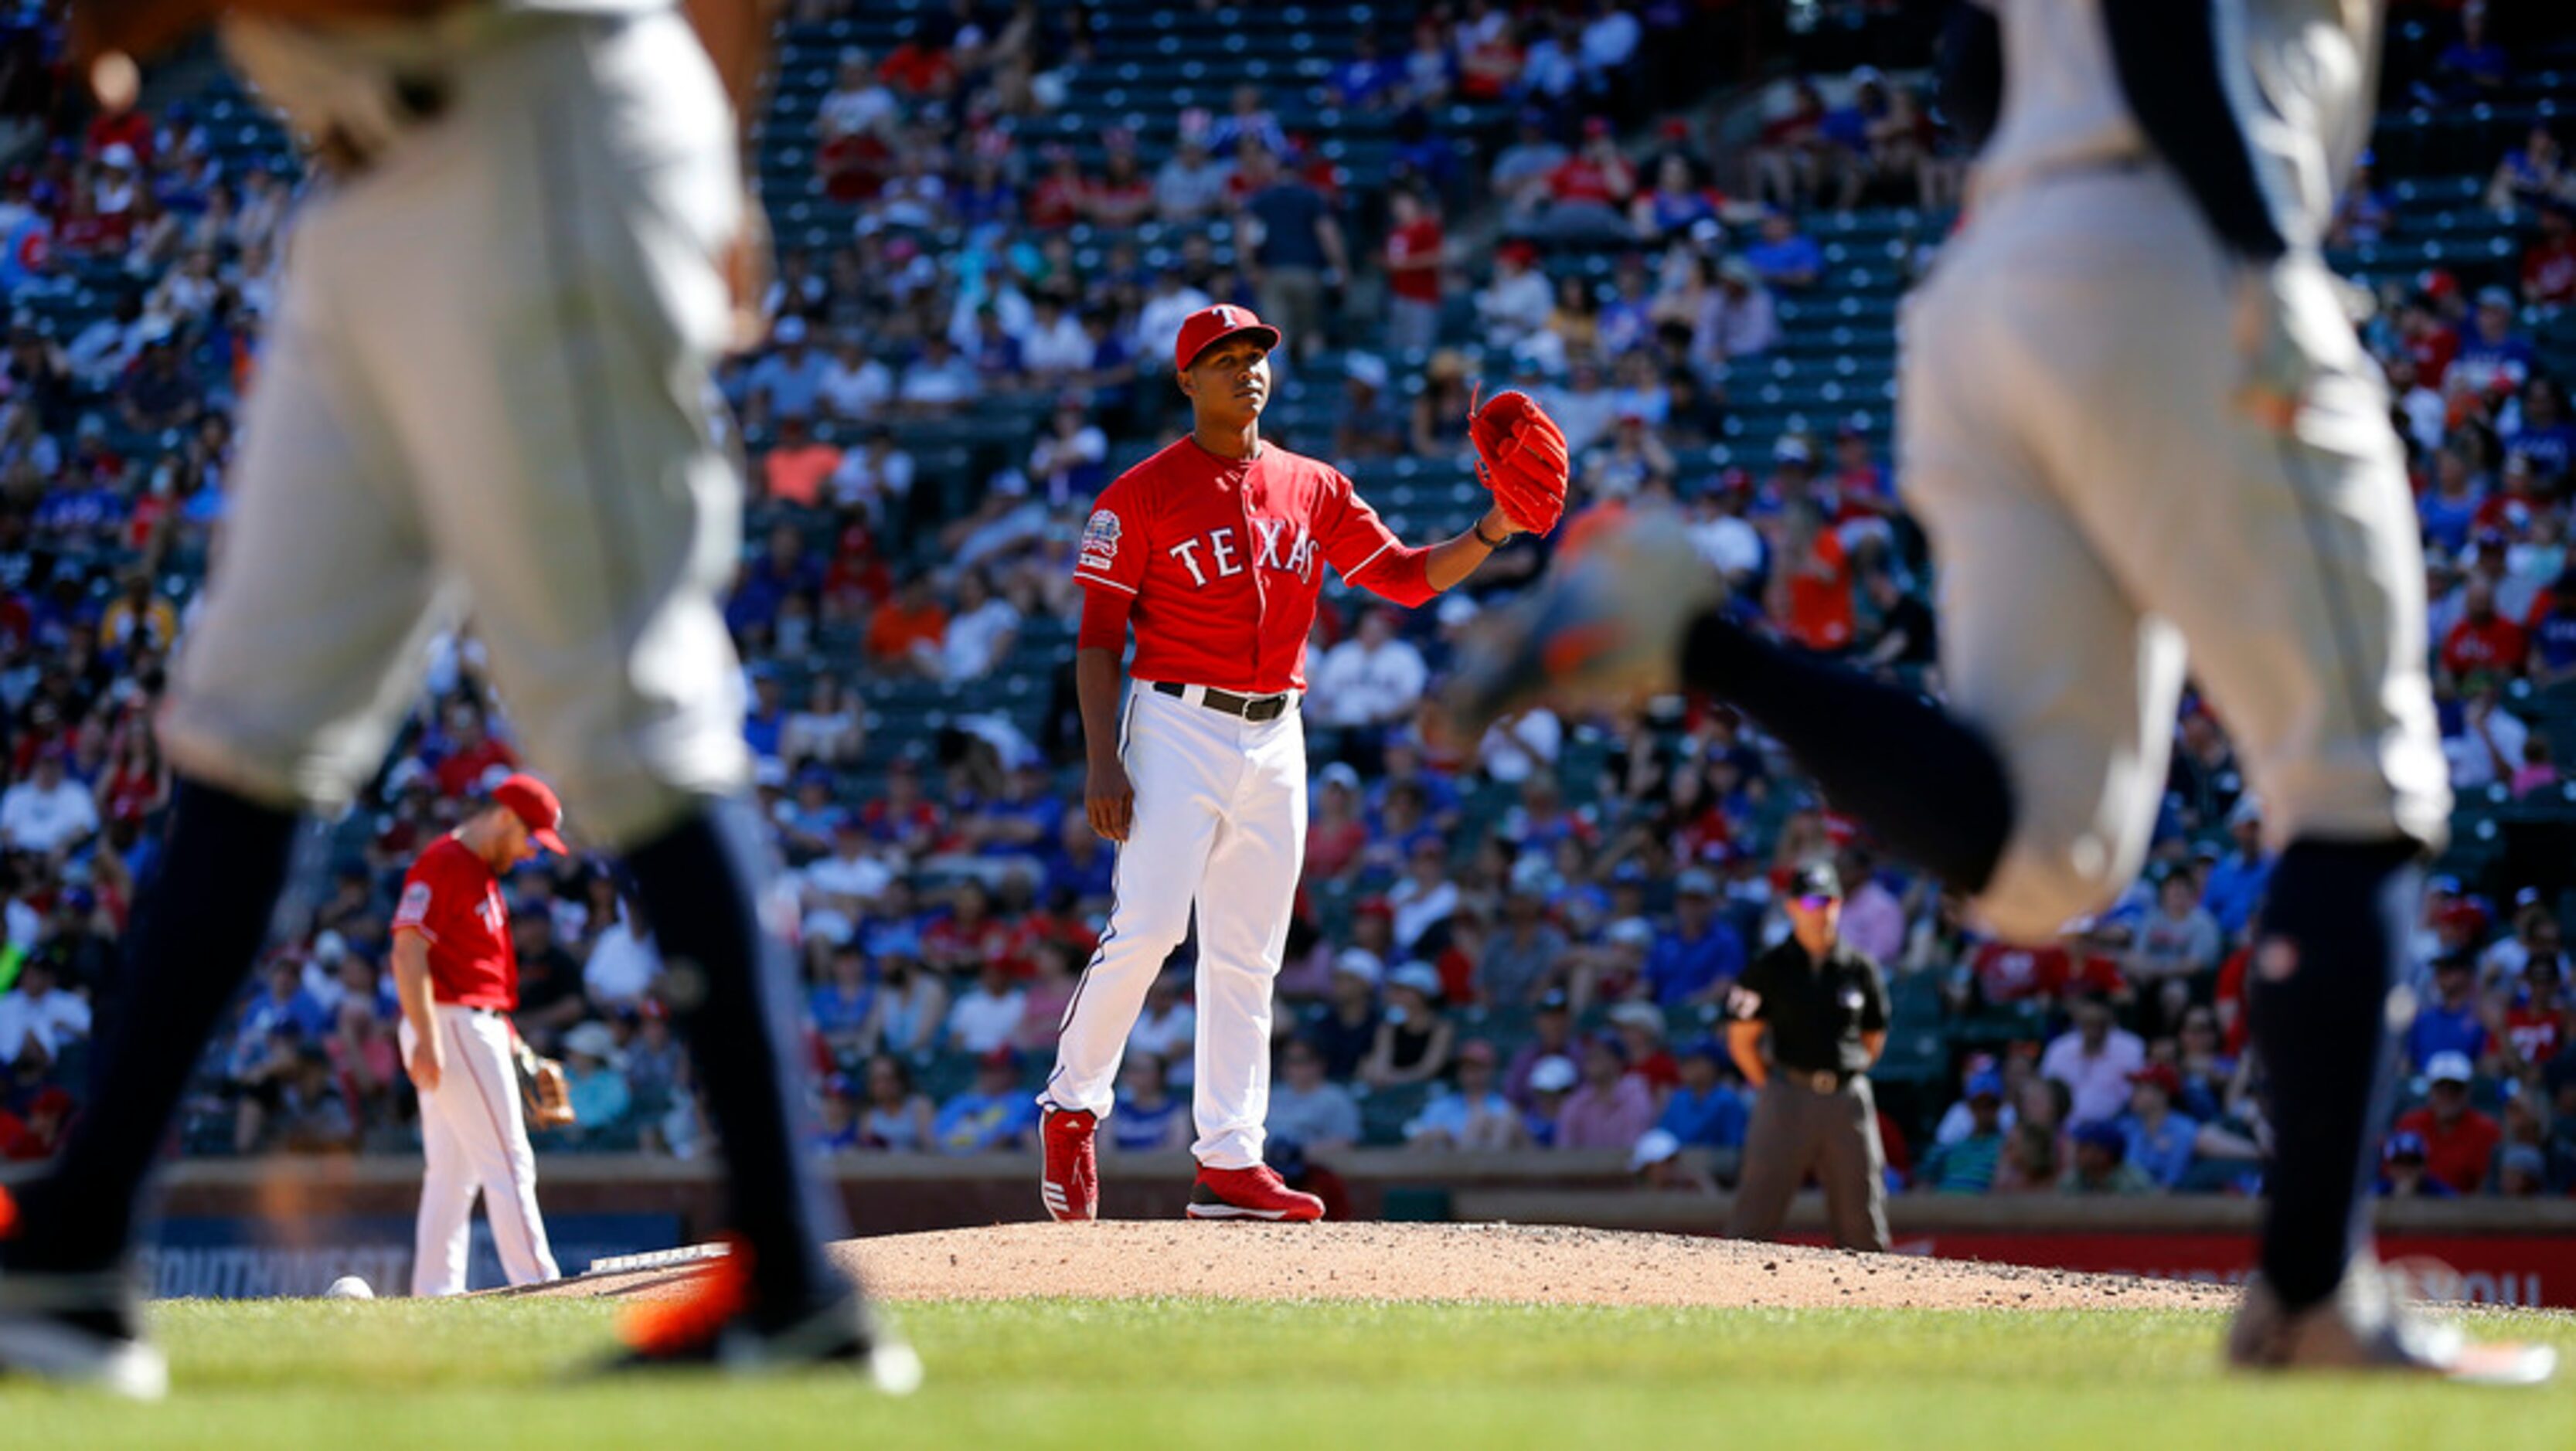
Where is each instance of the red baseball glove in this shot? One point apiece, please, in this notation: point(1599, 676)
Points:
point(1521, 457)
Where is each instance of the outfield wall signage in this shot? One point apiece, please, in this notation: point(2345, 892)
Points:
point(2490, 1269)
point(227, 1257)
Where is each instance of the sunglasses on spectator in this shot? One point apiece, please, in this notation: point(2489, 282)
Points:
point(1816, 901)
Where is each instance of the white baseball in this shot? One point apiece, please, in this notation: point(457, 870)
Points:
point(349, 1287)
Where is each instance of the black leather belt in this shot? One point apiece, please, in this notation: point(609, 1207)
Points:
point(1823, 1080)
point(1250, 707)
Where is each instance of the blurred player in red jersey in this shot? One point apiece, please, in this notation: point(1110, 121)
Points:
point(457, 974)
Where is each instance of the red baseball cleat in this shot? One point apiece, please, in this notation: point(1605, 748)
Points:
point(1254, 1193)
point(1070, 1183)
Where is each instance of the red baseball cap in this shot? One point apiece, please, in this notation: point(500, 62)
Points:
point(534, 803)
point(1208, 326)
point(2162, 1075)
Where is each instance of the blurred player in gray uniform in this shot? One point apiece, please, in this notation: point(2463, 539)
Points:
point(2143, 437)
point(485, 388)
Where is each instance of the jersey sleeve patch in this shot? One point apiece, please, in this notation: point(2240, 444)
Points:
point(1743, 1004)
point(1099, 542)
point(414, 907)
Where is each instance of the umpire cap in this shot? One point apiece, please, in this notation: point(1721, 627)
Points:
point(1817, 878)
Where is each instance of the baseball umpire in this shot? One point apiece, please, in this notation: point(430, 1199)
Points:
point(1824, 1006)
point(485, 386)
point(2138, 428)
point(1213, 551)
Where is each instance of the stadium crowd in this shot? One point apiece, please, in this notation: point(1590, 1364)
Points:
point(1518, 941)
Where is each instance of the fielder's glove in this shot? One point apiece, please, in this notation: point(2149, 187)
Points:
point(1521, 457)
point(542, 1088)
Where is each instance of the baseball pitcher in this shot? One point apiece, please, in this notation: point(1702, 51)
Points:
point(2140, 430)
point(1213, 552)
point(456, 973)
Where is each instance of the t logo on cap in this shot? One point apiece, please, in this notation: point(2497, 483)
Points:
point(1209, 326)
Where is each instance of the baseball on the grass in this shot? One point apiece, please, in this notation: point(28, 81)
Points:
point(115, 80)
point(349, 1287)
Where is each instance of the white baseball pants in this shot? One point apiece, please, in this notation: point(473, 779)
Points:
point(2104, 517)
point(476, 1141)
point(484, 390)
point(1220, 826)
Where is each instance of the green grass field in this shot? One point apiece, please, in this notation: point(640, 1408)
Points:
point(1319, 1376)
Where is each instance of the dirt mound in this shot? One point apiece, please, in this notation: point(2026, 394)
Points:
point(1530, 1263)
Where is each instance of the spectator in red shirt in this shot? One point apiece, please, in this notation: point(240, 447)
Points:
point(2535, 1022)
point(1121, 196)
point(472, 754)
point(2428, 340)
point(1056, 200)
point(1859, 485)
point(1813, 587)
point(917, 70)
point(853, 166)
point(1641, 1033)
point(906, 632)
point(797, 464)
point(131, 128)
point(2009, 972)
point(2549, 264)
point(1415, 247)
point(904, 818)
point(971, 936)
point(2483, 639)
point(1588, 192)
point(2459, 1141)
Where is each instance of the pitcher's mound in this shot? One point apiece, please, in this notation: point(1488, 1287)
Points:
point(1531, 1263)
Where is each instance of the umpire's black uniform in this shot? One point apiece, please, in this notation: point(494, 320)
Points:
point(1815, 1110)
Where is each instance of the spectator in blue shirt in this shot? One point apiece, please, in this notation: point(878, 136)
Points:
point(1704, 1111)
point(1366, 80)
point(1967, 1164)
point(2159, 1139)
point(1026, 820)
point(2449, 507)
point(767, 715)
point(837, 1130)
point(994, 1114)
point(2451, 1022)
point(2546, 437)
point(2553, 632)
point(286, 1008)
point(2237, 880)
point(787, 568)
point(789, 380)
point(995, 354)
point(844, 1004)
point(1785, 257)
point(2492, 354)
point(807, 821)
point(1080, 867)
point(1699, 956)
point(2402, 1174)
point(1473, 1115)
point(2471, 68)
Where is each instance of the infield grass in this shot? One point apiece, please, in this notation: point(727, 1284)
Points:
point(1276, 1376)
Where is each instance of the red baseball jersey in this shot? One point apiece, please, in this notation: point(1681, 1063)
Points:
point(1224, 558)
point(454, 902)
